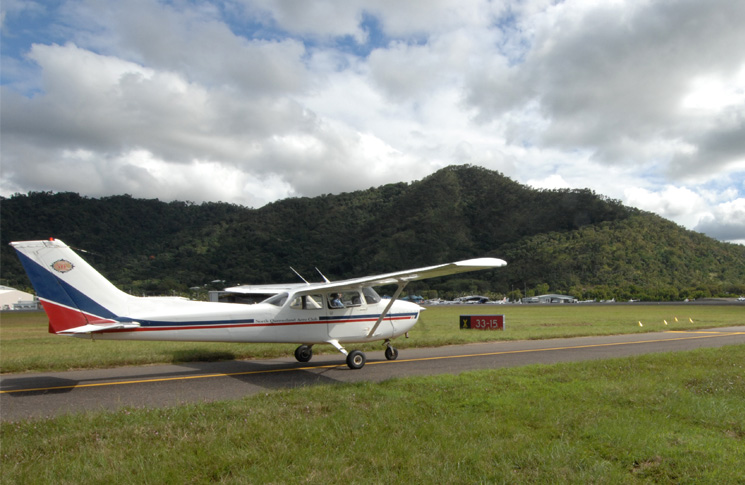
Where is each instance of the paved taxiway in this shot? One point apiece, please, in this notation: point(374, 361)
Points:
point(54, 393)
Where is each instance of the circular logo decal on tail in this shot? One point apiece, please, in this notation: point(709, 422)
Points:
point(62, 266)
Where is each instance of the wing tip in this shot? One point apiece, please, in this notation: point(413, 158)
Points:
point(482, 263)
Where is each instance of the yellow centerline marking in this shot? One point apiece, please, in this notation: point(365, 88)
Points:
point(166, 379)
point(708, 334)
point(573, 347)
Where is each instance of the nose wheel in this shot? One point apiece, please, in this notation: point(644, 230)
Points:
point(391, 353)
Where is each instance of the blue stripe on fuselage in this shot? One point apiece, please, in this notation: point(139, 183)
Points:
point(368, 317)
point(154, 323)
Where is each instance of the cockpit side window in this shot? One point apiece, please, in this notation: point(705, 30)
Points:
point(307, 302)
point(346, 299)
point(352, 298)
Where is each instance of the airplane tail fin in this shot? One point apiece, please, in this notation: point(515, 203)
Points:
point(72, 293)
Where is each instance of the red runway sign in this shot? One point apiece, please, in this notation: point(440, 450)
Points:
point(482, 322)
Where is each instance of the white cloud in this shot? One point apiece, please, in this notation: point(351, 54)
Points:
point(711, 212)
point(714, 92)
point(677, 203)
point(317, 19)
point(552, 182)
point(612, 75)
point(726, 221)
point(249, 101)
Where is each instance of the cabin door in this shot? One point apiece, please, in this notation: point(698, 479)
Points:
point(346, 315)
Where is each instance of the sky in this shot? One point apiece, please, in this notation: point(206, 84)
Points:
point(252, 101)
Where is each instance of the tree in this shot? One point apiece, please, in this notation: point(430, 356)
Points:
point(542, 289)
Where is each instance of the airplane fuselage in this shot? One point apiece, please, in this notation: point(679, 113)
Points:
point(181, 320)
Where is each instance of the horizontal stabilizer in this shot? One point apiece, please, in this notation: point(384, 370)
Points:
point(90, 328)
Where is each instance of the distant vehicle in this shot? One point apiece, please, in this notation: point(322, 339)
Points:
point(742, 298)
point(80, 302)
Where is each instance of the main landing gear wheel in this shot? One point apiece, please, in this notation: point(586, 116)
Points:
point(391, 353)
point(304, 353)
point(356, 359)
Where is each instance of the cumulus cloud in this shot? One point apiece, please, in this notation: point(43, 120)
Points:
point(116, 126)
point(677, 203)
point(612, 76)
point(249, 101)
point(725, 222)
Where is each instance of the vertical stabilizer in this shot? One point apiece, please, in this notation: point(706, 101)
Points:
point(72, 293)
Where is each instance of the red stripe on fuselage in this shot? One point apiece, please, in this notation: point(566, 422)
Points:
point(197, 326)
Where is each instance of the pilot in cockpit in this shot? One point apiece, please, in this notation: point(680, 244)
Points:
point(335, 301)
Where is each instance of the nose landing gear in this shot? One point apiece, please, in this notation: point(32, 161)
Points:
point(391, 353)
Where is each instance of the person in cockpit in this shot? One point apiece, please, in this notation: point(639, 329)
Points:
point(335, 301)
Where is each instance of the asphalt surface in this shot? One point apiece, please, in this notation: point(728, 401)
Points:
point(50, 394)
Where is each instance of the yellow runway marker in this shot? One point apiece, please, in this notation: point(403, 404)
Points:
point(708, 334)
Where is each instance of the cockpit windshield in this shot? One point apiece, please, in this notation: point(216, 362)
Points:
point(371, 296)
point(277, 300)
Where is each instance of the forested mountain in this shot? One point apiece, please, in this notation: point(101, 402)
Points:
point(567, 241)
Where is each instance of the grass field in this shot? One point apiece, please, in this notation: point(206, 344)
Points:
point(25, 344)
point(665, 418)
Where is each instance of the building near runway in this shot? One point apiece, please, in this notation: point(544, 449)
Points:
point(550, 299)
point(12, 299)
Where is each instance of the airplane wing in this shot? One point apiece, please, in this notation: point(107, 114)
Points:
point(265, 289)
point(397, 277)
point(406, 276)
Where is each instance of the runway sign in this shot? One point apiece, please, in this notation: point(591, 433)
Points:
point(482, 322)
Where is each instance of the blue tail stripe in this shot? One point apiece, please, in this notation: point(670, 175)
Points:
point(44, 282)
point(50, 287)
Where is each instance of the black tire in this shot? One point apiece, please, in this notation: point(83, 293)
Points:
point(356, 359)
point(391, 353)
point(304, 353)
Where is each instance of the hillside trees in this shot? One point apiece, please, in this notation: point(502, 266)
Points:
point(573, 241)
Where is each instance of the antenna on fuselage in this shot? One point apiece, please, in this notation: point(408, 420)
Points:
point(322, 276)
point(299, 275)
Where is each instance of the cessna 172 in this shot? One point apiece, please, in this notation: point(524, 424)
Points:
point(80, 302)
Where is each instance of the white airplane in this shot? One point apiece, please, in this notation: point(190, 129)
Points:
point(80, 302)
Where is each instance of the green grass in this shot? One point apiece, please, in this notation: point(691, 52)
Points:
point(524, 322)
point(25, 344)
point(665, 418)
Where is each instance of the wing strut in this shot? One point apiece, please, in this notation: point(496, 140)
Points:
point(401, 286)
